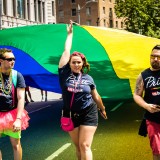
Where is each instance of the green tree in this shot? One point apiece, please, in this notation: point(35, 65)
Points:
point(140, 16)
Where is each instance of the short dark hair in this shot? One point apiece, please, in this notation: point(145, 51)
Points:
point(156, 47)
point(3, 51)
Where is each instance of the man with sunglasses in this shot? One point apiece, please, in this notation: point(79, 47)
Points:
point(147, 95)
point(13, 117)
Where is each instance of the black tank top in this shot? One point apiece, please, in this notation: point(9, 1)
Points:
point(151, 81)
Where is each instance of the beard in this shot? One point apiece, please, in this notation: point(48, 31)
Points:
point(155, 65)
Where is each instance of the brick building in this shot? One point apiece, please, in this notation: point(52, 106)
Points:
point(88, 12)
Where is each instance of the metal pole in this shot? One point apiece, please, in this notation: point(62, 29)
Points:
point(79, 9)
point(0, 14)
point(79, 16)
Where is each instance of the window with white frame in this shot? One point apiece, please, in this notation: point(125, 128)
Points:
point(43, 12)
point(88, 22)
point(39, 11)
point(13, 5)
point(35, 11)
point(88, 11)
point(20, 8)
point(52, 8)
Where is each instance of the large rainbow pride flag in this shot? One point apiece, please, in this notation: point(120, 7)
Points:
point(116, 57)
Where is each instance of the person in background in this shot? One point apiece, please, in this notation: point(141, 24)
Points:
point(73, 78)
point(27, 91)
point(147, 96)
point(44, 97)
point(13, 117)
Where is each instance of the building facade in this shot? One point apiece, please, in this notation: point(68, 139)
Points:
point(88, 12)
point(14, 13)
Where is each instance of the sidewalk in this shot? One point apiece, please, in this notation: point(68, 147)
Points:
point(36, 95)
point(52, 98)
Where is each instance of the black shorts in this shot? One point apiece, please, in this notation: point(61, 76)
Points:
point(88, 116)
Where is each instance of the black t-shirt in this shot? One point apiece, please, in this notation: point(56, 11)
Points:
point(151, 81)
point(6, 99)
point(82, 92)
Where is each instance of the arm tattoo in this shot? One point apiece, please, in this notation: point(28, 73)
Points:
point(139, 86)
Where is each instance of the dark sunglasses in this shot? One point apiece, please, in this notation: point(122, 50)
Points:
point(9, 59)
point(155, 56)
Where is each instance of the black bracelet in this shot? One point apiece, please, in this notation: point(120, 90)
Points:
point(18, 118)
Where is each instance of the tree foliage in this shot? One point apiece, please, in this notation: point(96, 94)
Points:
point(140, 16)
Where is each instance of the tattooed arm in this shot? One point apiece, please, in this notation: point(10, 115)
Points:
point(138, 96)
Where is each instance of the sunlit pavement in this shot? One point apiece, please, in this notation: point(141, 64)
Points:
point(115, 138)
point(36, 95)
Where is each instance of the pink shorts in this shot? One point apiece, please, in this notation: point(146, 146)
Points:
point(154, 136)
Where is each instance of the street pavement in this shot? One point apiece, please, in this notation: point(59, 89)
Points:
point(38, 104)
point(116, 137)
point(36, 95)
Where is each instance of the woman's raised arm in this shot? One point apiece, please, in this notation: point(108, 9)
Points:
point(68, 44)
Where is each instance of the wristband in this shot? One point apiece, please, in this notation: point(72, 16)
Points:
point(18, 118)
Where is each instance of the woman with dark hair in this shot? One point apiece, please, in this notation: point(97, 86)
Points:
point(86, 101)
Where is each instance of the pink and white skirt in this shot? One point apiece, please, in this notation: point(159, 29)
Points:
point(8, 118)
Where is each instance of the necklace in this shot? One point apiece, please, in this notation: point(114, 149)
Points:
point(76, 82)
point(6, 88)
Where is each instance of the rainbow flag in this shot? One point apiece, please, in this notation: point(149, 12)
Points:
point(116, 57)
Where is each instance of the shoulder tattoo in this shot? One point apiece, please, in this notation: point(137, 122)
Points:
point(139, 85)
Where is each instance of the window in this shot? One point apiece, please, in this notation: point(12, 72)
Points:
point(111, 24)
point(60, 2)
point(73, 1)
point(74, 12)
point(35, 11)
point(116, 24)
point(88, 22)
point(88, 11)
point(52, 8)
point(43, 12)
point(20, 8)
point(110, 13)
point(39, 11)
point(104, 10)
point(4, 7)
point(104, 21)
point(28, 11)
point(61, 14)
point(121, 24)
point(13, 4)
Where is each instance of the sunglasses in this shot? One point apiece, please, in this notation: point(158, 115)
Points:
point(9, 59)
point(155, 56)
